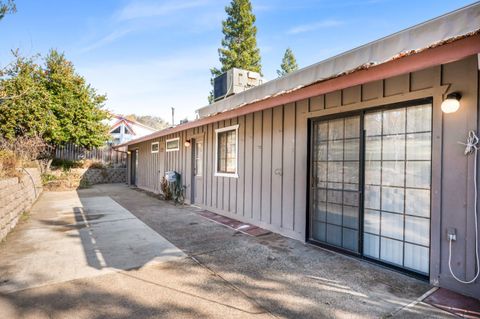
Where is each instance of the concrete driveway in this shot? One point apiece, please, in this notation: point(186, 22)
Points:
point(115, 252)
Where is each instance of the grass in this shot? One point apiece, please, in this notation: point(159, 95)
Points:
point(25, 216)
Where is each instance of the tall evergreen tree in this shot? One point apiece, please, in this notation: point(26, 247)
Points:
point(239, 44)
point(289, 63)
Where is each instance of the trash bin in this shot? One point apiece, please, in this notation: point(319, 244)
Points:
point(172, 176)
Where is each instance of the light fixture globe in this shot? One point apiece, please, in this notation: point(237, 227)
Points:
point(452, 103)
point(187, 143)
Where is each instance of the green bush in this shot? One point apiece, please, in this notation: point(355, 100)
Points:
point(46, 178)
point(66, 165)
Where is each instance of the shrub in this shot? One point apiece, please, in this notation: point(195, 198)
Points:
point(66, 165)
point(99, 165)
point(24, 147)
point(8, 164)
point(167, 193)
point(47, 178)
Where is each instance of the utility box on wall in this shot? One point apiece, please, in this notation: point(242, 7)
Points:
point(234, 81)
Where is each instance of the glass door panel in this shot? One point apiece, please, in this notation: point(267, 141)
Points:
point(335, 189)
point(396, 226)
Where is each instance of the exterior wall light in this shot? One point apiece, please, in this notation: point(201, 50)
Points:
point(452, 103)
point(187, 143)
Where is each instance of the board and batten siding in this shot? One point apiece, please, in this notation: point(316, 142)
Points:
point(271, 188)
point(271, 143)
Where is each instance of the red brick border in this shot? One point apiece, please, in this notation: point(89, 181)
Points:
point(244, 228)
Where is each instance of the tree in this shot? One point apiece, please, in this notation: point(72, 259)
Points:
point(239, 44)
point(155, 122)
point(289, 63)
point(25, 101)
point(75, 104)
point(7, 7)
point(50, 101)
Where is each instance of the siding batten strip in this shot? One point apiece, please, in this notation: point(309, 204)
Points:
point(277, 166)
point(261, 166)
point(294, 161)
point(266, 164)
point(271, 166)
point(257, 166)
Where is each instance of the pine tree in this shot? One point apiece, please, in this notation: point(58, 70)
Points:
point(289, 63)
point(239, 44)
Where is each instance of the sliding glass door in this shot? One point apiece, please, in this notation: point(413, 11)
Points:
point(397, 186)
point(371, 178)
point(336, 182)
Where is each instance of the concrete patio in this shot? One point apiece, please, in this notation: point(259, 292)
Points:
point(115, 252)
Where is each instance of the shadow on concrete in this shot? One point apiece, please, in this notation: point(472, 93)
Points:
point(87, 301)
point(285, 276)
point(67, 238)
point(280, 276)
point(114, 239)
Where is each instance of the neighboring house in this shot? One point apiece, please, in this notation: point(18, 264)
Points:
point(123, 130)
point(352, 153)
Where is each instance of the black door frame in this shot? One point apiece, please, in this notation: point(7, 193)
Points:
point(310, 182)
point(133, 166)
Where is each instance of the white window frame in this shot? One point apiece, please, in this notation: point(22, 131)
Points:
point(220, 130)
point(151, 147)
point(171, 140)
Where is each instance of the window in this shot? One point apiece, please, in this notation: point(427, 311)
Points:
point(172, 144)
point(226, 151)
point(128, 131)
point(155, 147)
point(116, 130)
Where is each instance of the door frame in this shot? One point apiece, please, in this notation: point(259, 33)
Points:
point(133, 166)
point(310, 180)
point(193, 139)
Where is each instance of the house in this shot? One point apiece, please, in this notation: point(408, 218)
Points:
point(123, 130)
point(353, 153)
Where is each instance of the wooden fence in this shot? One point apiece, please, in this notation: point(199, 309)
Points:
point(107, 155)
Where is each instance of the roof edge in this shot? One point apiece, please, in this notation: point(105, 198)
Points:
point(449, 51)
point(450, 25)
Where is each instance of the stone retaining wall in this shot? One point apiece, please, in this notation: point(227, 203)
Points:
point(84, 177)
point(17, 196)
point(94, 176)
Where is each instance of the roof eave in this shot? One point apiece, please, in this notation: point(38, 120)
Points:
point(449, 51)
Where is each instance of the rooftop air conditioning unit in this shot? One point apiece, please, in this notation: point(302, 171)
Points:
point(234, 81)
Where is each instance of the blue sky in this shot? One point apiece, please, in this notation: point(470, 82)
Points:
point(150, 55)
